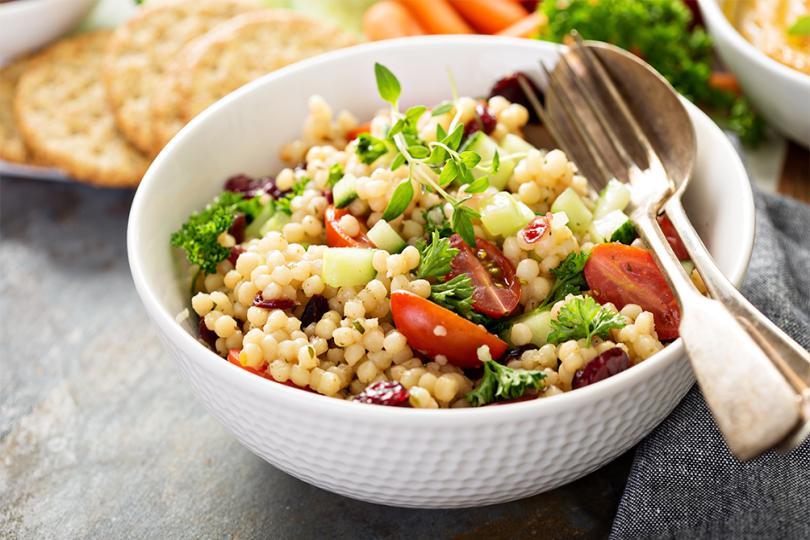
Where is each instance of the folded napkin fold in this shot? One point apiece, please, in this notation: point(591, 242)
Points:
point(684, 483)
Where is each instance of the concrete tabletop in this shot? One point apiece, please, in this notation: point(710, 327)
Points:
point(100, 437)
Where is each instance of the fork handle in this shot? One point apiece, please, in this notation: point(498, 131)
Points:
point(789, 356)
point(753, 405)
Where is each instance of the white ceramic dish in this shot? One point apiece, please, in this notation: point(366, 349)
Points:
point(406, 457)
point(27, 25)
point(780, 93)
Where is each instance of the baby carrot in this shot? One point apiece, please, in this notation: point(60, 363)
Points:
point(437, 16)
point(527, 27)
point(489, 16)
point(389, 19)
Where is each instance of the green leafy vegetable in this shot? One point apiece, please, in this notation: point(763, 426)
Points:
point(444, 108)
point(435, 258)
point(387, 84)
point(501, 383)
point(461, 221)
point(370, 148)
point(400, 200)
point(801, 27)
point(569, 278)
point(659, 32)
point(454, 294)
point(625, 234)
point(198, 236)
point(335, 174)
point(582, 317)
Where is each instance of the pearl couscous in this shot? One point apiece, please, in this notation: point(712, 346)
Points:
point(430, 258)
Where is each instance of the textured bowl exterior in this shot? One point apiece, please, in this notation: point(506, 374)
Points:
point(407, 457)
point(778, 92)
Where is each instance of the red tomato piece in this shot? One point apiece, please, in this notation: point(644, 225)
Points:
point(628, 275)
point(535, 230)
point(673, 238)
point(233, 358)
point(354, 133)
point(497, 289)
point(336, 236)
point(418, 318)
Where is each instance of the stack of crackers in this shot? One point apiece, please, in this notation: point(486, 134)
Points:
point(100, 105)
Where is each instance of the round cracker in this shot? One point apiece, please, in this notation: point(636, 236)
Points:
point(142, 48)
point(64, 118)
point(244, 49)
point(12, 146)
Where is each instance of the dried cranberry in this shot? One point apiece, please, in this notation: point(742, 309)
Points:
point(535, 230)
point(510, 88)
point(234, 254)
point(240, 183)
point(207, 336)
point(273, 303)
point(389, 393)
point(484, 121)
point(529, 5)
point(314, 310)
point(609, 363)
point(329, 197)
point(516, 352)
point(237, 228)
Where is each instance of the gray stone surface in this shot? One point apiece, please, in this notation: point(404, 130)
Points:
point(100, 437)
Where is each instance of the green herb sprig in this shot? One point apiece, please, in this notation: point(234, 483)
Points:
point(501, 383)
point(435, 258)
point(583, 318)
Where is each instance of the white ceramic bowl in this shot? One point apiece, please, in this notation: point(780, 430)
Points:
point(406, 457)
point(780, 93)
point(26, 25)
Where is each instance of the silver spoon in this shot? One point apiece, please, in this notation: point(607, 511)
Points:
point(648, 140)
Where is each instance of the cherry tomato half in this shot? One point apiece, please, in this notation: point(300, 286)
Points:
point(628, 275)
point(418, 320)
point(336, 236)
point(497, 289)
point(233, 358)
point(673, 238)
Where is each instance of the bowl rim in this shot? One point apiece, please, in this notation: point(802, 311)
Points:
point(306, 400)
point(18, 7)
point(716, 20)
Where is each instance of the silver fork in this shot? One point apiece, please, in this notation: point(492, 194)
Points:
point(753, 404)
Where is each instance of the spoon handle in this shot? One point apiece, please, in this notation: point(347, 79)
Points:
point(753, 405)
point(789, 356)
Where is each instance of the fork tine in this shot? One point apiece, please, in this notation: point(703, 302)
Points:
point(597, 109)
point(573, 119)
point(601, 74)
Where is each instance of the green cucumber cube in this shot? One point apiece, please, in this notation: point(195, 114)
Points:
point(345, 191)
point(348, 267)
point(503, 215)
point(579, 217)
point(385, 237)
point(615, 196)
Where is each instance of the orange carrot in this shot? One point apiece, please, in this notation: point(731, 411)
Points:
point(527, 27)
point(724, 80)
point(437, 16)
point(489, 16)
point(389, 19)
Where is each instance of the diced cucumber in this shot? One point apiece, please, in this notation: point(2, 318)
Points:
point(385, 237)
point(482, 144)
point(345, 191)
point(503, 215)
point(579, 217)
point(348, 267)
point(615, 196)
point(539, 324)
point(603, 228)
point(514, 144)
point(275, 223)
point(254, 230)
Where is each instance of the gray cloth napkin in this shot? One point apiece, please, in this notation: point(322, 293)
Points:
point(684, 483)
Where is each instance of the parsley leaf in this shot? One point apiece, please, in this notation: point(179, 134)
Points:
point(501, 383)
point(454, 294)
point(582, 317)
point(569, 278)
point(625, 234)
point(335, 174)
point(198, 236)
point(435, 258)
point(370, 148)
